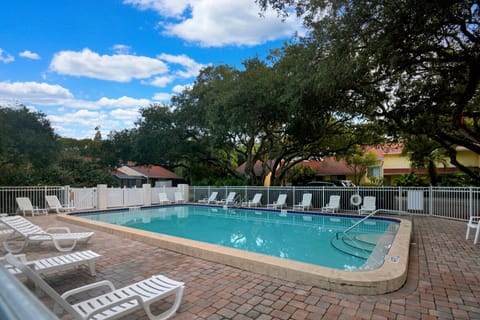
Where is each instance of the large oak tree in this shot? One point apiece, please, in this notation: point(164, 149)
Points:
point(412, 65)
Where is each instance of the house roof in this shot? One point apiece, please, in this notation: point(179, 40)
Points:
point(329, 166)
point(156, 172)
point(388, 148)
point(257, 167)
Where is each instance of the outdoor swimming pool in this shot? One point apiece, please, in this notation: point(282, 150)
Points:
point(377, 278)
point(309, 238)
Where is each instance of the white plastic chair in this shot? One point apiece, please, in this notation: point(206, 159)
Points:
point(306, 202)
point(163, 199)
point(280, 203)
point(333, 204)
point(473, 223)
point(255, 202)
point(229, 200)
point(25, 232)
point(211, 199)
point(25, 206)
point(67, 261)
point(368, 205)
point(179, 197)
point(54, 204)
point(117, 302)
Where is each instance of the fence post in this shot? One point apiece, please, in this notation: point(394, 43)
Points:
point(66, 195)
point(147, 194)
point(430, 201)
point(184, 189)
point(102, 197)
point(470, 202)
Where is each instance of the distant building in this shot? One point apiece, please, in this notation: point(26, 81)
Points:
point(391, 163)
point(330, 169)
point(131, 175)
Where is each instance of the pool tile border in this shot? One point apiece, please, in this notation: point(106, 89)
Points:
point(388, 278)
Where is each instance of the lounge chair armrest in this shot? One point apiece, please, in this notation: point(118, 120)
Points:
point(31, 235)
point(87, 287)
point(65, 229)
point(117, 303)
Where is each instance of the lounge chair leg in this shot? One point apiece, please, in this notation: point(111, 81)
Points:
point(91, 266)
point(7, 245)
point(168, 313)
point(64, 249)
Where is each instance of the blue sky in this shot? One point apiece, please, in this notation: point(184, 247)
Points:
point(94, 63)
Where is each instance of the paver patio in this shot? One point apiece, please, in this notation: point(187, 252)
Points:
point(443, 280)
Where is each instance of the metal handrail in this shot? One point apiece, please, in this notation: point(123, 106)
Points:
point(360, 221)
point(371, 214)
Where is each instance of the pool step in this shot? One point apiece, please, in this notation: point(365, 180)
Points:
point(353, 245)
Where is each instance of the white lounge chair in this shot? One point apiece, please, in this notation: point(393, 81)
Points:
point(255, 202)
point(163, 199)
point(67, 261)
point(306, 202)
point(333, 204)
point(54, 204)
point(25, 206)
point(368, 205)
point(211, 199)
point(229, 200)
point(179, 197)
point(117, 302)
point(280, 203)
point(473, 223)
point(25, 232)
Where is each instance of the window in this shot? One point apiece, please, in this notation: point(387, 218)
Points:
point(373, 172)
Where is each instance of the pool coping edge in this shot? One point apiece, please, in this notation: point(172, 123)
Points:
point(387, 278)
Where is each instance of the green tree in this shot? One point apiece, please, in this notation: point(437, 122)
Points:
point(426, 153)
point(28, 146)
point(414, 66)
point(359, 162)
point(300, 175)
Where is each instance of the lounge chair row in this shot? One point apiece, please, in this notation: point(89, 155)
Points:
point(25, 206)
point(333, 204)
point(163, 198)
point(114, 304)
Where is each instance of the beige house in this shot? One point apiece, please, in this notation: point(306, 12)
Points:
point(392, 163)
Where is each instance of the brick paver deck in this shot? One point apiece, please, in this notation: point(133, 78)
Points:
point(443, 281)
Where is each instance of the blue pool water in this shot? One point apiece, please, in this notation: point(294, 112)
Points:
point(310, 238)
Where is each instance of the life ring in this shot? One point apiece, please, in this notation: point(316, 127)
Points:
point(355, 199)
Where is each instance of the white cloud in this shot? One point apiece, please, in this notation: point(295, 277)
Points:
point(179, 88)
point(216, 23)
point(121, 49)
point(29, 55)
point(161, 81)
point(123, 102)
point(119, 67)
point(6, 57)
point(167, 8)
point(34, 92)
point(81, 124)
point(162, 97)
point(122, 114)
point(44, 94)
point(192, 67)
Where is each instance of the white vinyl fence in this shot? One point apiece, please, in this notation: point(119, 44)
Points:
point(446, 202)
